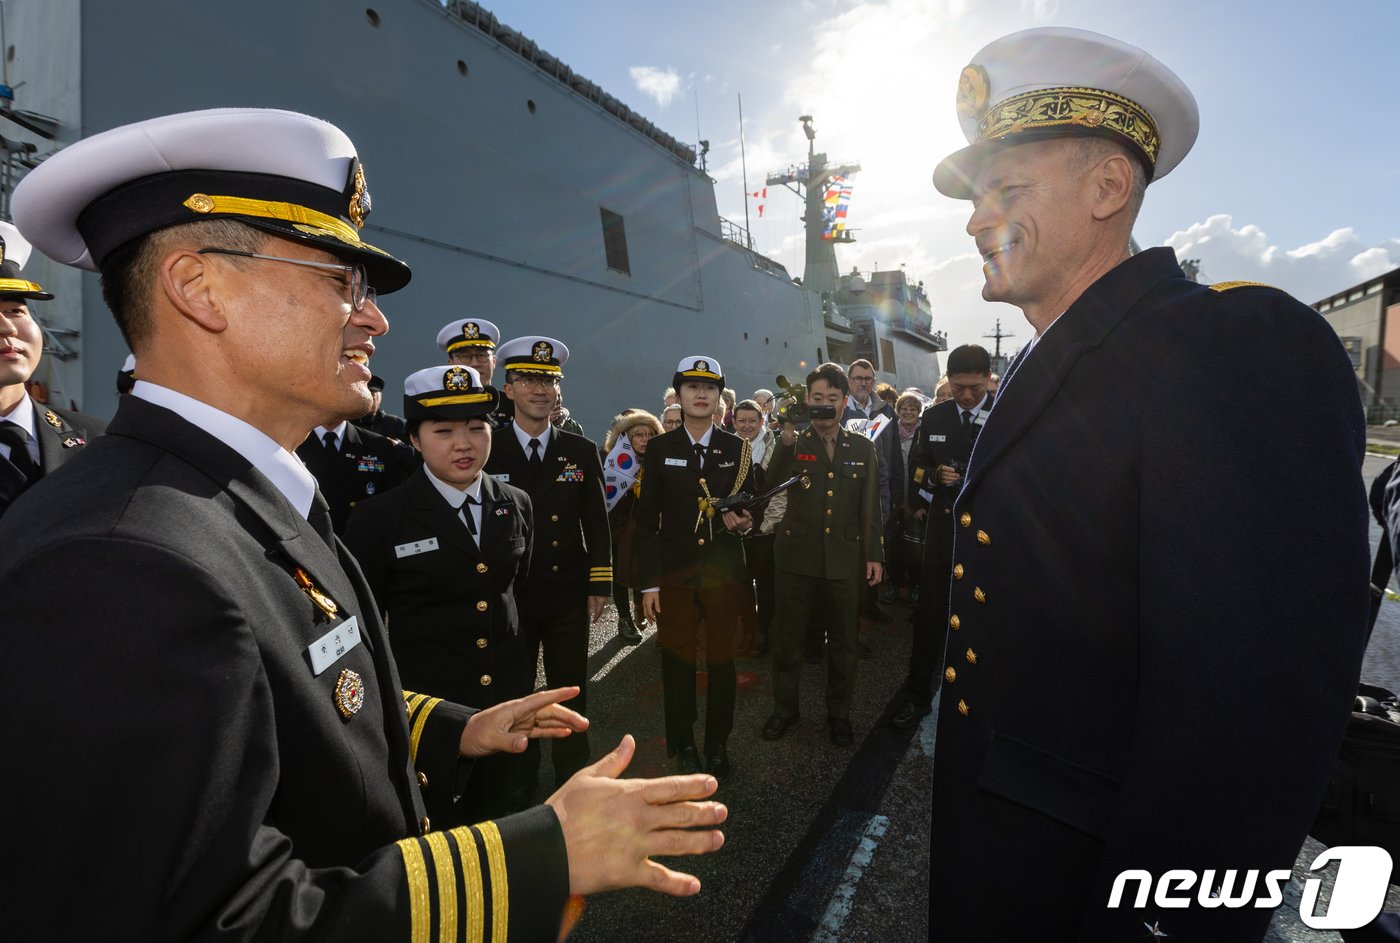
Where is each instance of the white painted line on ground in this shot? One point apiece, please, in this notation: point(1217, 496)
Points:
point(840, 906)
point(626, 650)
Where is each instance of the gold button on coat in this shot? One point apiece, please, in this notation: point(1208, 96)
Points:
point(957, 571)
point(423, 780)
point(971, 657)
point(966, 519)
point(831, 474)
point(962, 708)
point(481, 643)
point(978, 595)
point(827, 529)
point(554, 518)
point(481, 568)
point(829, 512)
point(982, 538)
point(831, 494)
point(950, 676)
point(555, 568)
point(481, 606)
point(425, 824)
point(700, 542)
point(955, 622)
point(554, 543)
point(485, 679)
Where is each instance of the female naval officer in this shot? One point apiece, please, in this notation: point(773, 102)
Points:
point(443, 554)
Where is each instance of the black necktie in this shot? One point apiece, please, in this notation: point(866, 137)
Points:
point(18, 441)
point(329, 441)
point(535, 454)
point(967, 418)
point(467, 515)
point(699, 457)
point(319, 517)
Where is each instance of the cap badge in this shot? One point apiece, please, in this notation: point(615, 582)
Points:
point(349, 693)
point(544, 352)
point(2, 251)
point(470, 331)
point(973, 91)
point(52, 419)
point(702, 365)
point(359, 200)
point(457, 379)
point(200, 203)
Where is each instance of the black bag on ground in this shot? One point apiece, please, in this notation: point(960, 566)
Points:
point(1362, 806)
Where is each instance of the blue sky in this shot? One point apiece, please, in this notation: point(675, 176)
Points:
point(1294, 180)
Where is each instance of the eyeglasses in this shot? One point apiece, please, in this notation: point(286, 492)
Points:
point(360, 290)
point(470, 356)
point(532, 381)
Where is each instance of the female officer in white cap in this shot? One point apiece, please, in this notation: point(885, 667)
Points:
point(442, 554)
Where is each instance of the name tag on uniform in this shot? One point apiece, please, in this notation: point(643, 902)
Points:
point(938, 438)
point(328, 649)
point(418, 546)
point(679, 462)
point(504, 476)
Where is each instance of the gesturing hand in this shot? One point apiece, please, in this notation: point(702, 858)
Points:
point(613, 826)
point(509, 726)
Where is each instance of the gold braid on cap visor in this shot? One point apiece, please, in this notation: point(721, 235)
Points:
point(303, 219)
point(1083, 107)
point(459, 343)
point(458, 400)
point(17, 285)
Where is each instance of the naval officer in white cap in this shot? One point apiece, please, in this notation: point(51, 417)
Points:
point(1153, 638)
point(262, 775)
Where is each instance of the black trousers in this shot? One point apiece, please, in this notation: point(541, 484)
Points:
point(758, 556)
point(682, 613)
point(555, 618)
point(797, 598)
point(624, 613)
point(930, 620)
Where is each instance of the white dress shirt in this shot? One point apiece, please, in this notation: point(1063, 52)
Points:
point(457, 497)
point(286, 472)
point(339, 434)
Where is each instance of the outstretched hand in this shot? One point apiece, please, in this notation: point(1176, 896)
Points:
point(509, 726)
point(613, 826)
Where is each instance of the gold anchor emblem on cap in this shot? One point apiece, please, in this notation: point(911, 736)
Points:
point(323, 602)
point(702, 365)
point(470, 331)
point(349, 693)
point(973, 91)
point(359, 200)
point(544, 352)
point(456, 379)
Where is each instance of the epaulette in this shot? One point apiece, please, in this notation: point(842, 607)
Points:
point(1231, 286)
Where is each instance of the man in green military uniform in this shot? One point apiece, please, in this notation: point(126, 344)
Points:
point(830, 529)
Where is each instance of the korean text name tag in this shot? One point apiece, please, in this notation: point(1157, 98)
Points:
point(329, 648)
point(680, 462)
point(417, 546)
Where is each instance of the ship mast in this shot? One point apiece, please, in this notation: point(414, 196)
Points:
point(810, 182)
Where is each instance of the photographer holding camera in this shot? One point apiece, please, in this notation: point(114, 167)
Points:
point(937, 463)
point(829, 531)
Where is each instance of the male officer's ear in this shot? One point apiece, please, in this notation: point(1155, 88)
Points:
point(194, 285)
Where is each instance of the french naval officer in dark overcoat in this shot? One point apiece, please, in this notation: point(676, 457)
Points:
point(443, 555)
point(263, 773)
point(1154, 639)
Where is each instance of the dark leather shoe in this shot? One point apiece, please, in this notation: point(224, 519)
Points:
point(840, 730)
point(777, 726)
point(717, 762)
point(628, 633)
point(687, 760)
point(909, 715)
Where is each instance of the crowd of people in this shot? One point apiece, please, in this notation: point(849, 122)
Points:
point(1104, 585)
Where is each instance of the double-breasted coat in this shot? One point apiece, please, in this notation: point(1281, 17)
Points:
point(1155, 628)
point(365, 465)
point(209, 773)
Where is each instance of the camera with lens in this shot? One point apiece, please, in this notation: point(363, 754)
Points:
point(798, 411)
point(958, 467)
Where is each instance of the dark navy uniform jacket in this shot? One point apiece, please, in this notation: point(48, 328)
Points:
point(62, 434)
point(1156, 627)
point(366, 464)
point(671, 549)
point(171, 749)
point(572, 541)
point(449, 600)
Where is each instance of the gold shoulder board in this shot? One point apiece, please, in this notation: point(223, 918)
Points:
point(1231, 286)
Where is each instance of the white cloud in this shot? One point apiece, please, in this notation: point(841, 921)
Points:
point(1309, 272)
point(659, 84)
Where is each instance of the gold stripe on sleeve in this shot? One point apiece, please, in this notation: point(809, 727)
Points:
point(413, 701)
point(446, 886)
point(419, 905)
point(471, 879)
point(500, 881)
point(419, 724)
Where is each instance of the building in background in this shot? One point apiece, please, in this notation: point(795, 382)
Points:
point(1367, 319)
